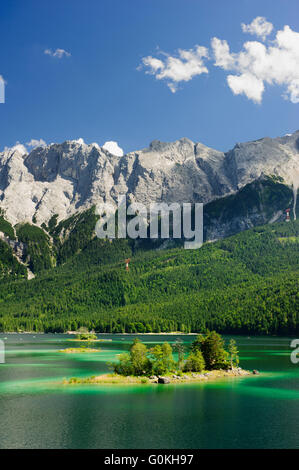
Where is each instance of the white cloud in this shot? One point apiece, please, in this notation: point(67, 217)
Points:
point(259, 27)
point(258, 64)
point(180, 68)
point(293, 91)
point(2, 89)
point(113, 148)
point(36, 143)
point(58, 53)
point(80, 141)
point(222, 55)
point(21, 148)
point(247, 84)
point(17, 147)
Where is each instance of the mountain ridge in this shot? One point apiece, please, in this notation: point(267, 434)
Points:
point(73, 176)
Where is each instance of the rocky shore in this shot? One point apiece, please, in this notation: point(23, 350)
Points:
point(169, 379)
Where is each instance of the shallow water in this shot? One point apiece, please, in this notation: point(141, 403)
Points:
point(38, 411)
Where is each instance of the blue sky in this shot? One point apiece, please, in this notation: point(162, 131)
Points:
point(101, 93)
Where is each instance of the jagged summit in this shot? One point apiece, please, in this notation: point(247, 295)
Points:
point(64, 178)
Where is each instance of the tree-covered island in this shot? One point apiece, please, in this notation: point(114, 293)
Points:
point(207, 358)
point(83, 336)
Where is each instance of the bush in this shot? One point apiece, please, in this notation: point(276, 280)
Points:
point(124, 366)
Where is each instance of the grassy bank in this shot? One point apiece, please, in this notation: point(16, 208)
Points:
point(116, 379)
point(78, 350)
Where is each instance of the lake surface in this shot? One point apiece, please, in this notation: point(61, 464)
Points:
point(38, 411)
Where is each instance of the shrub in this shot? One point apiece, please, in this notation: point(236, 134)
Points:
point(124, 366)
point(195, 362)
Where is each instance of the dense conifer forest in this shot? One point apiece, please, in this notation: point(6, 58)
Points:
point(247, 283)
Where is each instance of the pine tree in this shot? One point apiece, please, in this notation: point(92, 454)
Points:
point(178, 346)
point(234, 353)
point(214, 354)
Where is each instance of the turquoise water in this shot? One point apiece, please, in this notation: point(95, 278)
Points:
point(38, 411)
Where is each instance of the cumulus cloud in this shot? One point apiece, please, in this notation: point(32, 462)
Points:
point(258, 64)
point(113, 148)
point(36, 143)
point(247, 84)
point(58, 53)
point(258, 27)
point(182, 67)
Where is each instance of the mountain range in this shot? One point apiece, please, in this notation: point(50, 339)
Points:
point(56, 275)
point(62, 179)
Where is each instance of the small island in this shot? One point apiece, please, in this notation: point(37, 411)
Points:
point(79, 350)
point(84, 336)
point(207, 360)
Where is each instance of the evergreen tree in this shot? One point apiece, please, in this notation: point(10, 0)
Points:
point(214, 354)
point(196, 345)
point(179, 347)
point(234, 353)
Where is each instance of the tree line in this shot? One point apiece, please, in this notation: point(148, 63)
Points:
point(207, 353)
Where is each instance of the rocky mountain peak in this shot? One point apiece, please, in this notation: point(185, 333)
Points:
point(72, 176)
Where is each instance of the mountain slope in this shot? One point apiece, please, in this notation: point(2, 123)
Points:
point(73, 240)
point(247, 284)
point(263, 201)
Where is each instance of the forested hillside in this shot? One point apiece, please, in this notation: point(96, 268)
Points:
point(247, 283)
point(10, 268)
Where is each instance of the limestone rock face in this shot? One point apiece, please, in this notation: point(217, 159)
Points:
point(65, 178)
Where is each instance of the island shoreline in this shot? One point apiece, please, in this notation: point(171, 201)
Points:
point(193, 378)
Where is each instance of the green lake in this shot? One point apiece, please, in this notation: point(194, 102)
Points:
point(38, 411)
